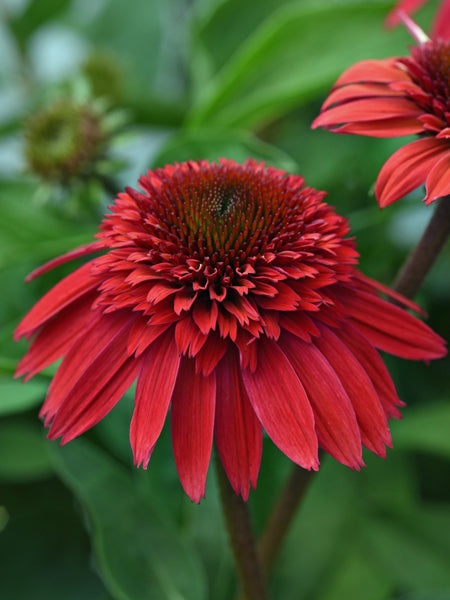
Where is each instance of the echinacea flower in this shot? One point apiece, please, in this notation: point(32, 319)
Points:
point(231, 293)
point(441, 22)
point(395, 97)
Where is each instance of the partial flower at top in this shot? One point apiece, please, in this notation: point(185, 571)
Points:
point(232, 294)
point(395, 97)
point(441, 22)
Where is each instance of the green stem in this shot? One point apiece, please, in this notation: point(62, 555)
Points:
point(240, 532)
point(422, 258)
point(282, 514)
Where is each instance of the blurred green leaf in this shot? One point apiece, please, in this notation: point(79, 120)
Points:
point(15, 396)
point(31, 230)
point(37, 13)
point(44, 550)
point(327, 515)
point(212, 145)
point(414, 562)
point(24, 452)
point(356, 576)
point(139, 556)
point(299, 50)
point(425, 428)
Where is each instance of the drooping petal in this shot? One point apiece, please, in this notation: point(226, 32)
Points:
point(238, 432)
point(64, 293)
point(375, 368)
point(153, 394)
point(56, 337)
point(91, 397)
point(392, 127)
point(336, 425)
point(367, 109)
point(354, 91)
point(100, 405)
point(95, 341)
point(281, 404)
point(372, 284)
point(366, 404)
point(408, 168)
point(192, 424)
point(61, 260)
point(438, 181)
point(390, 328)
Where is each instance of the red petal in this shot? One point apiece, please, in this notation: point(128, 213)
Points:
point(375, 368)
point(188, 337)
point(391, 328)
point(281, 404)
point(367, 109)
point(438, 181)
point(98, 336)
point(407, 6)
point(205, 313)
point(227, 324)
point(441, 25)
point(142, 335)
point(61, 260)
point(300, 324)
point(238, 432)
point(392, 127)
point(376, 285)
point(408, 168)
point(211, 352)
point(93, 393)
point(102, 403)
point(381, 71)
point(192, 423)
point(67, 291)
point(153, 394)
point(56, 337)
point(366, 404)
point(357, 90)
point(336, 425)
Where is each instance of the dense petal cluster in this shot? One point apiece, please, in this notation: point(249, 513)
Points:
point(441, 23)
point(396, 97)
point(230, 292)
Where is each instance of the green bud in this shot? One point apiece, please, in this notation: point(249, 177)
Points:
point(63, 141)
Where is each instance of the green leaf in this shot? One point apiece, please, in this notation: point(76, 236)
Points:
point(356, 576)
point(212, 145)
point(326, 516)
point(35, 15)
point(24, 452)
point(31, 230)
point(297, 51)
point(413, 562)
point(139, 556)
point(425, 428)
point(15, 396)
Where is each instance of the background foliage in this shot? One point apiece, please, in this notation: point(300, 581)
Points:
point(204, 79)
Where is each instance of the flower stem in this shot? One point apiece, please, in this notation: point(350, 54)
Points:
point(242, 539)
point(421, 259)
point(282, 514)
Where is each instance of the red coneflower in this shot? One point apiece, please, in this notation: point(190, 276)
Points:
point(441, 22)
point(231, 293)
point(395, 97)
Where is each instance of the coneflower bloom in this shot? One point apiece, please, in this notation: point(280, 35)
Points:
point(395, 97)
point(231, 293)
point(441, 22)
